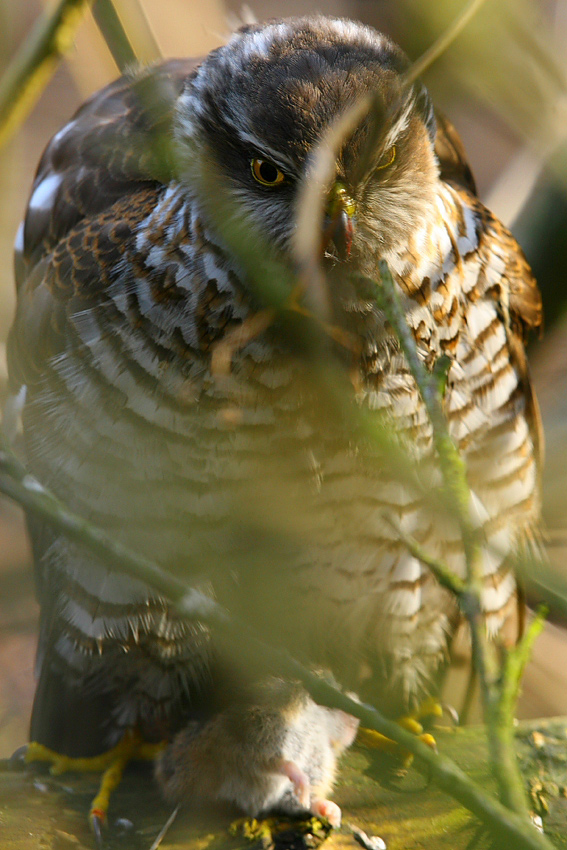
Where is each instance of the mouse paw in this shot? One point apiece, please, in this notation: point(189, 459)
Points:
point(326, 809)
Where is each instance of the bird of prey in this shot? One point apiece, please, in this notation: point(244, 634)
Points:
point(130, 281)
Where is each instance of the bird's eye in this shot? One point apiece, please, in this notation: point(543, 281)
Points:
point(387, 159)
point(266, 173)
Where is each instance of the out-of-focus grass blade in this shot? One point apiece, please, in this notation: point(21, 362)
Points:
point(35, 62)
point(113, 32)
point(127, 32)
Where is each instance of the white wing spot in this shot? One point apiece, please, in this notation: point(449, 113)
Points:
point(63, 132)
point(44, 194)
point(19, 240)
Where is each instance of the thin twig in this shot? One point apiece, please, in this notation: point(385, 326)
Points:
point(35, 62)
point(164, 830)
point(452, 464)
point(444, 41)
point(140, 31)
point(446, 577)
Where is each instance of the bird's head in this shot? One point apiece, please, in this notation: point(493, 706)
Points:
point(257, 110)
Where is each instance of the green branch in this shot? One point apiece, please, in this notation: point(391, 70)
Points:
point(114, 34)
point(32, 67)
point(499, 688)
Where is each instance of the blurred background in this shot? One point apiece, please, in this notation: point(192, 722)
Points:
point(503, 83)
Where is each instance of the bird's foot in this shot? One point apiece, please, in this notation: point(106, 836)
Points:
point(373, 740)
point(111, 764)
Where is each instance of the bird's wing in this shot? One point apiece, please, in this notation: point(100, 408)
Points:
point(111, 156)
point(523, 305)
point(450, 151)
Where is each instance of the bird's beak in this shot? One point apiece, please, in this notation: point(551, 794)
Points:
point(339, 222)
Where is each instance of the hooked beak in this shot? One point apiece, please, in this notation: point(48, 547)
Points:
point(339, 222)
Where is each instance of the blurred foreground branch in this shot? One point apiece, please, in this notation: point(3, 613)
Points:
point(35, 62)
point(129, 45)
point(23, 488)
point(444, 41)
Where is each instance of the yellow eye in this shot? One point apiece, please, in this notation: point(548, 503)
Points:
point(266, 173)
point(388, 158)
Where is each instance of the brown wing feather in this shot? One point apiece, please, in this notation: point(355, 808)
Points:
point(83, 263)
point(116, 141)
point(451, 154)
point(523, 305)
point(105, 169)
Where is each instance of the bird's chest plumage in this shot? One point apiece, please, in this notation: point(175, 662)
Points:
point(133, 427)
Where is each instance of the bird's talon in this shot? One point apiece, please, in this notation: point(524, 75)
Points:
point(451, 712)
point(111, 764)
point(411, 723)
point(428, 740)
point(97, 820)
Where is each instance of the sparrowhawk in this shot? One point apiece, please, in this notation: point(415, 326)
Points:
point(128, 283)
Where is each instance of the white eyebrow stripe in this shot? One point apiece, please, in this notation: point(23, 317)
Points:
point(261, 147)
point(400, 124)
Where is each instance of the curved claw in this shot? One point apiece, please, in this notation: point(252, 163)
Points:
point(97, 820)
point(18, 757)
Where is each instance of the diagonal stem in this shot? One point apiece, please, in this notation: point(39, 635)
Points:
point(35, 62)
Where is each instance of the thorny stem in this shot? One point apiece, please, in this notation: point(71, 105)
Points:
point(35, 62)
point(19, 485)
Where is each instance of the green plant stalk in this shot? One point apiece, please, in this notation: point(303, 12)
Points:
point(30, 70)
point(441, 571)
point(23, 488)
point(114, 34)
point(444, 41)
point(513, 666)
point(495, 689)
point(453, 467)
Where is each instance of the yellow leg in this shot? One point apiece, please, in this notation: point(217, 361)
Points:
point(111, 764)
